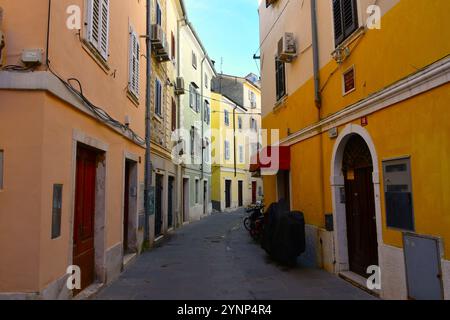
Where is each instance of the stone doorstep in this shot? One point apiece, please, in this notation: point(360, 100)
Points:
point(89, 292)
point(358, 281)
point(128, 258)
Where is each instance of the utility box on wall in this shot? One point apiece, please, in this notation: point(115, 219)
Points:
point(423, 267)
point(398, 194)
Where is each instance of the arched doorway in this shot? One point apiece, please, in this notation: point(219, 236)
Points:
point(357, 169)
point(355, 184)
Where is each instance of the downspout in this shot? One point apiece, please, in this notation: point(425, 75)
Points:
point(47, 62)
point(317, 94)
point(179, 167)
point(315, 45)
point(202, 115)
point(148, 163)
point(234, 140)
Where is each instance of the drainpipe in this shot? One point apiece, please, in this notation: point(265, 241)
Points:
point(179, 167)
point(317, 93)
point(315, 45)
point(234, 140)
point(47, 62)
point(202, 115)
point(148, 163)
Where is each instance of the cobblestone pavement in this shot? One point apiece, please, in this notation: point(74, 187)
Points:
point(216, 259)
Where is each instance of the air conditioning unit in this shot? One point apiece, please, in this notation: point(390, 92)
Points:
point(179, 86)
point(287, 48)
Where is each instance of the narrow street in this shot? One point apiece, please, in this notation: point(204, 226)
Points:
point(215, 259)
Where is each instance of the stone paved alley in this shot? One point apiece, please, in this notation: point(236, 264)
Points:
point(216, 259)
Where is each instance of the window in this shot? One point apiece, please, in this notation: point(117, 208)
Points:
point(252, 98)
point(194, 97)
point(194, 60)
point(348, 80)
point(98, 26)
point(158, 14)
point(206, 81)
point(173, 47)
point(174, 115)
point(240, 125)
point(227, 118)
point(57, 210)
point(253, 124)
point(207, 113)
point(345, 19)
point(207, 151)
point(158, 98)
point(133, 80)
point(227, 150)
point(192, 141)
point(280, 79)
point(398, 194)
point(241, 154)
point(197, 191)
point(1, 168)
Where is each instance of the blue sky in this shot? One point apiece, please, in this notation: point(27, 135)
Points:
point(228, 29)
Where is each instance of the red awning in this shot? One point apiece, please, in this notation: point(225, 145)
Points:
point(272, 159)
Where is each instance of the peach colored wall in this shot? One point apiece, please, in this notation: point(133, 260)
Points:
point(20, 200)
point(40, 152)
point(70, 57)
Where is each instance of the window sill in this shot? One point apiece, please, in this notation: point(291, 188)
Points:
point(349, 40)
point(133, 98)
point(280, 103)
point(93, 53)
point(158, 117)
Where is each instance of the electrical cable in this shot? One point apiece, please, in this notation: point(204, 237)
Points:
point(99, 113)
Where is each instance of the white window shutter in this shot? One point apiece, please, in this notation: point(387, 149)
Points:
point(134, 63)
point(104, 29)
point(93, 22)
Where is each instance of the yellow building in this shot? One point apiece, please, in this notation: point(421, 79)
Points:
point(235, 124)
point(361, 105)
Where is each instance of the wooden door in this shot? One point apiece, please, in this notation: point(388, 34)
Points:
point(84, 220)
point(360, 207)
point(126, 209)
point(254, 187)
point(228, 194)
point(240, 193)
point(158, 205)
point(170, 203)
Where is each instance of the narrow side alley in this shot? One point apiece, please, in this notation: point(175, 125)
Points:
point(216, 259)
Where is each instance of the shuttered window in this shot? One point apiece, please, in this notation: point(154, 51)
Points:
point(158, 98)
point(158, 14)
point(345, 19)
point(207, 113)
point(174, 115)
point(173, 47)
point(227, 118)
point(280, 79)
point(98, 26)
point(227, 150)
point(134, 63)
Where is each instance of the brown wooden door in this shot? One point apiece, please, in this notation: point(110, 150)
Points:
point(158, 205)
point(360, 208)
point(254, 187)
point(240, 193)
point(83, 235)
point(227, 193)
point(126, 209)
